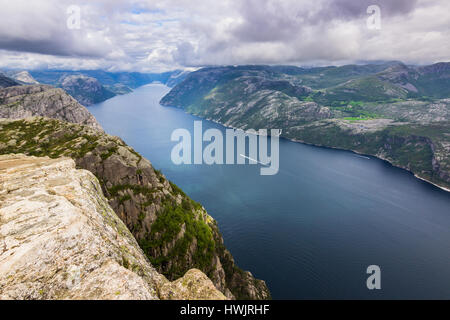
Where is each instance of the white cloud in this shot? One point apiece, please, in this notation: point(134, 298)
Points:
point(161, 35)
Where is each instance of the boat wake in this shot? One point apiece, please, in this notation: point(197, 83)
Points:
point(254, 160)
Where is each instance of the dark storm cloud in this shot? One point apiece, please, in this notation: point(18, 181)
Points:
point(41, 27)
point(345, 9)
point(266, 20)
point(60, 45)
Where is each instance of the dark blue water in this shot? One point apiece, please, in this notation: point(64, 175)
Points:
point(311, 230)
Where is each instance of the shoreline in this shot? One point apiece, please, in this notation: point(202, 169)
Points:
point(428, 181)
point(329, 147)
point(377, 157)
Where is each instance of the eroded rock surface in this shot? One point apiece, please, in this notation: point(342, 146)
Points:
point(20, 102)
point(192, 285)
point(60, 239)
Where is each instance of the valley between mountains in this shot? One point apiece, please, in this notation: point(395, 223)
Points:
point(174, 249)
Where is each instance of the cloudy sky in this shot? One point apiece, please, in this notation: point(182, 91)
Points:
point(169, 34)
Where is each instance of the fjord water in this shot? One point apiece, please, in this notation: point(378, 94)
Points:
point(312, 230)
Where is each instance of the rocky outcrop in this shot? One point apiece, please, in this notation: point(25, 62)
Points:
point(191, 286)
point(42, 100)
point(86, 90)
point(23, 77)
point(175, 232)
point(109, 79)
point(60, 239)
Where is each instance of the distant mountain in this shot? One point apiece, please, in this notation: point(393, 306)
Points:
point(399, 113)
point(129, 79)
point(84, 89)
point(432, 81)
point(94, 86)
point(7, 82)
point(395, 82)
point(118, 88)
point(176, 77)
point(23, 77)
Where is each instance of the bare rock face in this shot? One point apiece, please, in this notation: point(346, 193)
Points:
point(175, 232)
point(60, 239)
point(23, 77)
point(86, 90)
point(20, 102)
point(192, 285)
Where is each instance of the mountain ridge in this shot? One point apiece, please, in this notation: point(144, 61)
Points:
point(360, 108)
point(93, 86)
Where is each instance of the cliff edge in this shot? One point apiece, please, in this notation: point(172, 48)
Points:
point(19, 102)
point(60, 239)
point(175, 232)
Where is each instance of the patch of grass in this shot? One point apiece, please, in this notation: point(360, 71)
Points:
point(109, 153)
point(136, 154)
point(165, 230)
point(124, 198)
point(137, 189)
point(48, 137)
point(141, 216)
point(360, 118)
point(176, 189)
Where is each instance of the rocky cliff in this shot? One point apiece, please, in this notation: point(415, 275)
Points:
point(60, 239)
point(23, 77)
point(175, 232)
point(42, 100)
